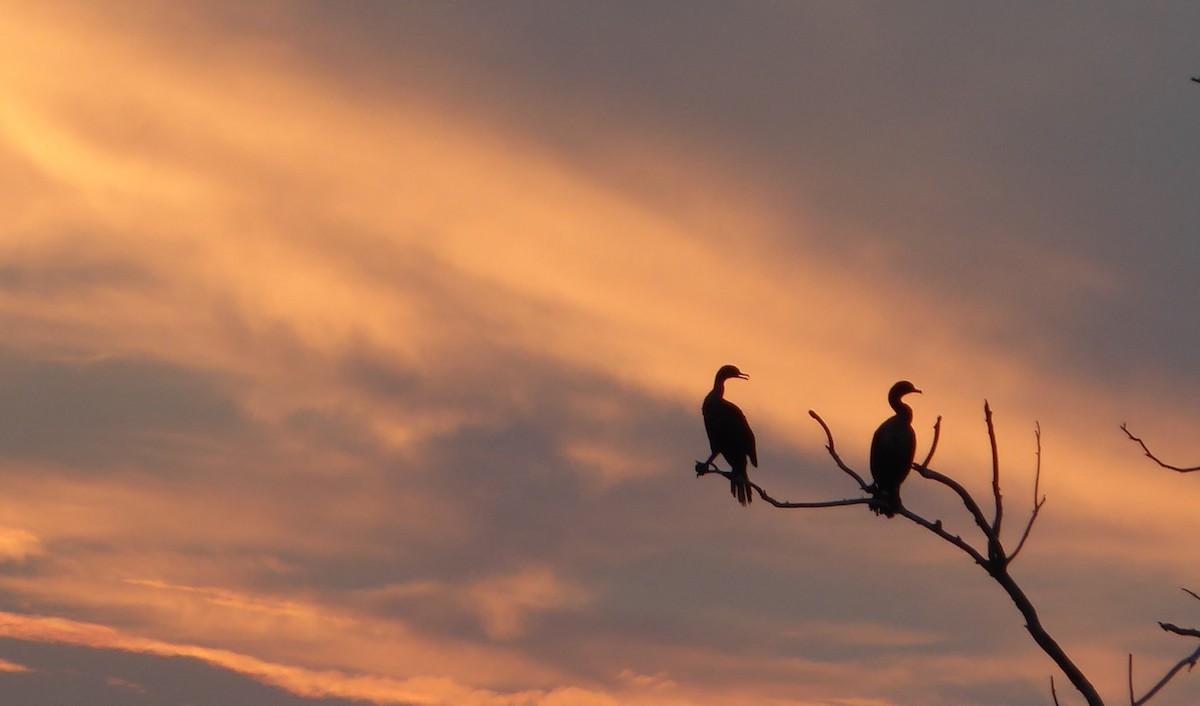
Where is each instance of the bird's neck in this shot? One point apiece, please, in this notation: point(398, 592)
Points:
point(719, 387)
point(902, 410)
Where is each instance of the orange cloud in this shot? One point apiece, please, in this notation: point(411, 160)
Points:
point(506, 602)
point(251, 220)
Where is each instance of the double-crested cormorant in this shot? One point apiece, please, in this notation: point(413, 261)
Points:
point(892, 451)
point(729, 433)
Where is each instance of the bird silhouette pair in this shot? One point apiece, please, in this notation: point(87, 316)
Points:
point(892, 447)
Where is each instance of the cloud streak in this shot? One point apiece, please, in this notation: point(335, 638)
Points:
point(322, 360)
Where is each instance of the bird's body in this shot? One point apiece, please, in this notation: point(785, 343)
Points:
point(892, 450)
point(729, 434)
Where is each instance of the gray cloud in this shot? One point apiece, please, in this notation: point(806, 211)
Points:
point(979, 149)
point(63, 674)
point(109, 412)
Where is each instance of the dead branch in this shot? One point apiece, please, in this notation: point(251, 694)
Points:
point(1037, 502)
point(1131, 697)
point(991, 432)
point(833, 452)
point(1152, 457)
point(702, 470)
point(1186, 632)
point(1189, 662)
point(996, 562)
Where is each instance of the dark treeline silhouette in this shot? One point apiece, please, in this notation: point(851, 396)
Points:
point(892, 454)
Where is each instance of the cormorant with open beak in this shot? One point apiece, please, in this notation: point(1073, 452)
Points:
point(729, 433)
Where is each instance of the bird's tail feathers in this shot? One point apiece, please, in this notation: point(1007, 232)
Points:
point(884, 502)
point(739, 487)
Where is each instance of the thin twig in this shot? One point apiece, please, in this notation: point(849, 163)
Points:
point(701, 470)
point(936, 528)
point(1053, 693)
point(937, 434)
point(1037, 502)
point(1186, 632)
point(968, 501)
point(833, 452)
point(1189, 662)
point(1154, 458)
point(1193, 594)
point(1131, 697)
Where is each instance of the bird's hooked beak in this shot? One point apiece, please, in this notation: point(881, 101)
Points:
point(917, 391)
point(743, 376)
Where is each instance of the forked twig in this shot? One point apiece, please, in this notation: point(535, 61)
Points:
point(1037, 502)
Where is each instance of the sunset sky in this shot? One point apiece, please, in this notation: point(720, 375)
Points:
point(353, 351)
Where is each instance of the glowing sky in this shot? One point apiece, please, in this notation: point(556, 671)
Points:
point(354, 350)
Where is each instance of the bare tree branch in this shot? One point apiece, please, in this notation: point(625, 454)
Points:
point(968, 501)
point(1186, 632)
point(937, 528)
point(1189, 662)
point(1154, 458)
point(996, 562)
point(1037, 502)
point(1131, 697)
point(991, 430)
point(937, 434)
point(833, 453)
point(702, 470)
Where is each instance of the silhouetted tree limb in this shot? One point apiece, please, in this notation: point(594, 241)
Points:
point(995, 560)
point(703, 470)
point(991, 431)
point(834, 454)
point(1037, 502)
point(1154, 458)
point(1187, 632)
point(1189, 662)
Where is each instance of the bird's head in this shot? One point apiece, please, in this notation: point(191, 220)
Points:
point(730, 371)
point(902, 388)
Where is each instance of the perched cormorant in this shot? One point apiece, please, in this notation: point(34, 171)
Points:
point(892, 451)
point(729, 433)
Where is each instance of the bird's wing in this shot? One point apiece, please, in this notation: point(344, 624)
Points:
point(886, 447)
point(753, 446)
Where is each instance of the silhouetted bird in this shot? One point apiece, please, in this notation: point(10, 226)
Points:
point(729, 433)
point(892, 451)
